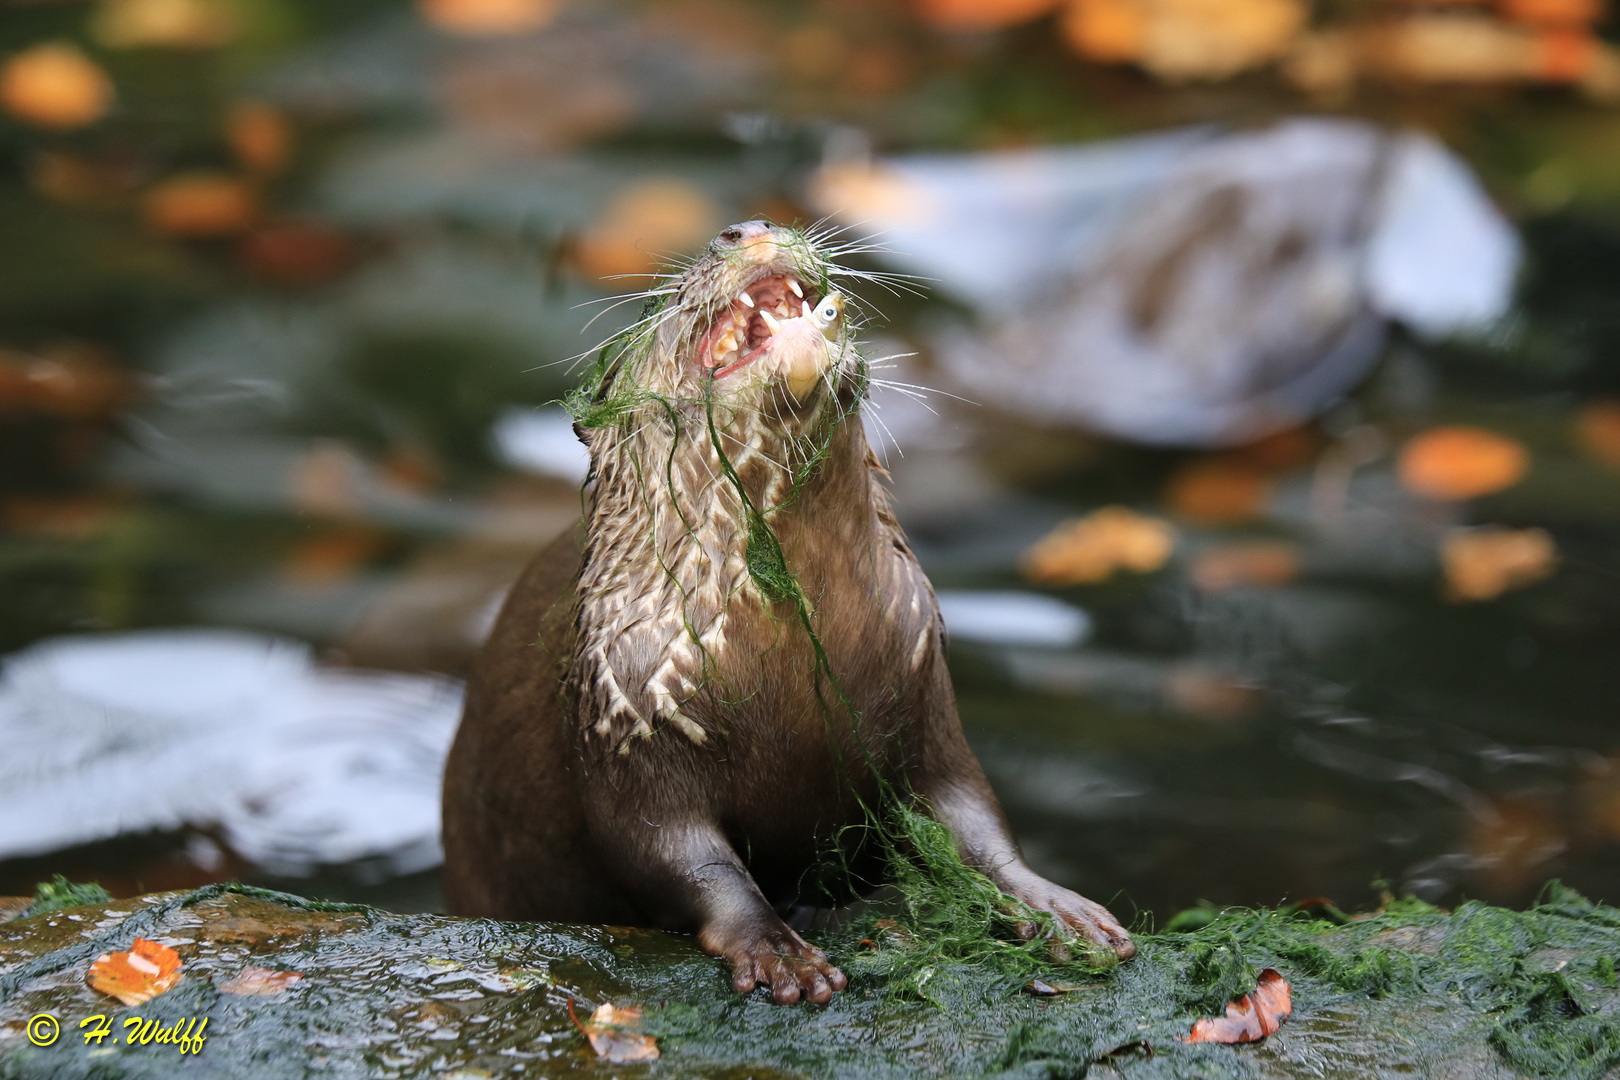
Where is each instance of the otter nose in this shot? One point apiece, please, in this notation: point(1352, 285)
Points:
point(744, 233)
point(755, 241)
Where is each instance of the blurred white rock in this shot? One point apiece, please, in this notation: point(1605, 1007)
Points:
point(295, 765)
point(541, 441)
point(1193, 288)
point(1011, 617)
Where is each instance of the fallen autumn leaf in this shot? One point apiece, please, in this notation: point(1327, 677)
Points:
point(606, 1031)
point(259, 982)
point(1251, 1017)
point(137, 976)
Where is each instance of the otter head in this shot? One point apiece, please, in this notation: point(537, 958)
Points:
point(778, 323)
point(754, 327)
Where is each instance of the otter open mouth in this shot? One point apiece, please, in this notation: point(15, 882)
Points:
point(745, 331)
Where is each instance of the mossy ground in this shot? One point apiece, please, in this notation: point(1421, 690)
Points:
point(1481, 992)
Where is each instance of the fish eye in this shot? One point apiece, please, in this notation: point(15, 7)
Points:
point(829, 311)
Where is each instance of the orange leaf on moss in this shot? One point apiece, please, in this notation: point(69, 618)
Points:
point(1458, 462)
point(611, 1035)
point(1251, 1017)
point(146, 970)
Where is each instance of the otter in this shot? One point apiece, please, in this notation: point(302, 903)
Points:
point(687, 698)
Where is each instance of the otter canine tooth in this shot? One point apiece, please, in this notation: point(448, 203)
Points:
point(794, 285)
point(805, 304)
point(770, 322)
point(745, 298)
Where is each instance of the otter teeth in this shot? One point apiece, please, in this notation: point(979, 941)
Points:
point(745, 298)
point(794, 285)
point(770, 321)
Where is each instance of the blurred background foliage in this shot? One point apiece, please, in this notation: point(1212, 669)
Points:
point(275, 274)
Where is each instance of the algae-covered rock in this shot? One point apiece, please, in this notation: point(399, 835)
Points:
point(1413, 991)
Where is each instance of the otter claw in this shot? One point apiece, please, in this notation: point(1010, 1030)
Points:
point(785, 963)
point(1087, 918)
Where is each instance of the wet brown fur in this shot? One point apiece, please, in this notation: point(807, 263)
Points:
point(701, 806)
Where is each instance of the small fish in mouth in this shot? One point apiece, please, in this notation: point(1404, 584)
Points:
point(773, 325)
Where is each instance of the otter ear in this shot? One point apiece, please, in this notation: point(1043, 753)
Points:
point(584, 434)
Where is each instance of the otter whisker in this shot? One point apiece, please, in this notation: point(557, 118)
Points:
point(887, 435)
point(923, 390)
point(618, 302)
point(889, 359)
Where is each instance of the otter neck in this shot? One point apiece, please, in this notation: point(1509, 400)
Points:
point(666, 561)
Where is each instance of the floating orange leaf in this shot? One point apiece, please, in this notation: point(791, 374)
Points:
point(1110, 31)
point(70, 517)
point(488, 18)
point(259, 982)
point(69, 379)
point(1251, 1017)
point(327, 480)
point(1217, 491)
point(610, 1036)
point(296, 252)
point(1483, 563)
point(54, 85)
point(172, 24)
point(981, 14)
point(259, 135)
point(860, 191)
point(1182, 40)
point(200, 205)
point(80, 180)
point(1259, 563)
point(1555, 12)
point(1092, 548)
point(1457, 462)
point(1450, 49)
point(1206, 694)
point(646, 222)
point(1602, 796)
point(1513, 840)
point(137, 976)
point(1597, 432)
point(1280, 450)
point(335, 555)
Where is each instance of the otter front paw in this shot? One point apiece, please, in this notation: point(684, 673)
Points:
point(778, 958)
point(1088, 918)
